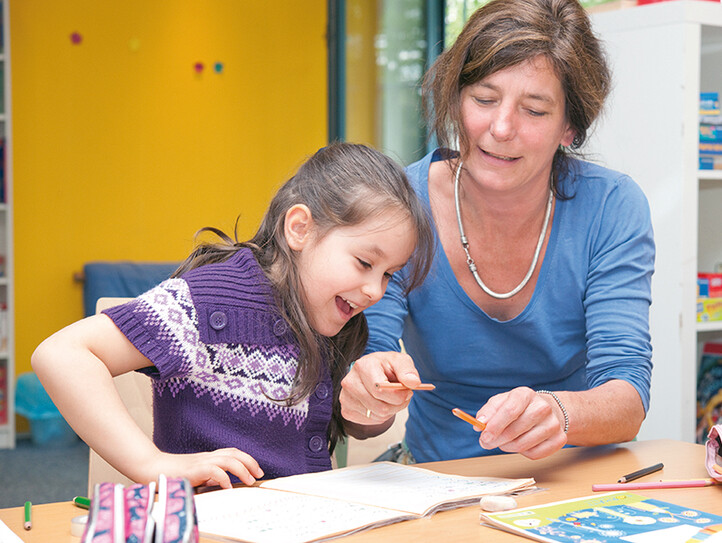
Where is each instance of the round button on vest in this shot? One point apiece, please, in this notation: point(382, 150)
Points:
point(280, 327)
point(322, 391)
point(315, 443)
point(218, 320)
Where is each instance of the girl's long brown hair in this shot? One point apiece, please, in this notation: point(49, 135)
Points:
point(342, 184)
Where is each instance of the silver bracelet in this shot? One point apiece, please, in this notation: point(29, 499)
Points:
point(561, 406)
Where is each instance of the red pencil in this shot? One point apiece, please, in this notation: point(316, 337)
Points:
point(463, 415)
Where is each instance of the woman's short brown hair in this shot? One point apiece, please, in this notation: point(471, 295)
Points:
point(505, 33)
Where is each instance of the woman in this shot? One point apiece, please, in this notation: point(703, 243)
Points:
point(535, 314)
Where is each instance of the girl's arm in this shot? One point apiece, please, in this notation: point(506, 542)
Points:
point(76, 367)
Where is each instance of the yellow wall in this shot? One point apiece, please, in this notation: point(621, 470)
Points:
point(123, 151)
point(361, 72)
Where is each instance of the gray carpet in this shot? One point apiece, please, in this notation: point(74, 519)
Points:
point(42, 474)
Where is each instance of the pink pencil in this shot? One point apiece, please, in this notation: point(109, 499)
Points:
point(400, 386)
point(653, 485)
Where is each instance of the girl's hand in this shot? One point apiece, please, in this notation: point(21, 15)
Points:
point(208, 468)
point(362, 402)
point(522, 421)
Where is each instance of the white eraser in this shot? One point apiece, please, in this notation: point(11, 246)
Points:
point(77, 525)
point(497, 503)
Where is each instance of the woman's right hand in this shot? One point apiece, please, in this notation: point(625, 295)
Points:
point(363, 403)
point(207, 468)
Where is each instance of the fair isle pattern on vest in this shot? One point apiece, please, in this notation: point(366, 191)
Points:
point(256, 377)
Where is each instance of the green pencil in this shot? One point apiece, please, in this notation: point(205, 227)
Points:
point(28, 516)
point(82, 502)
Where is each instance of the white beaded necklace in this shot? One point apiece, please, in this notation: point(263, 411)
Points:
point(470, 261)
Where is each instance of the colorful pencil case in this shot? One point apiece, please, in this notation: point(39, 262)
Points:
point(139, 524)
point(132, 515)
point(175, 512)
point(106, 515)
point(713, 457)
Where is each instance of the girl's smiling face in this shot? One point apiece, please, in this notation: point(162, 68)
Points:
point(347, 270)
point(514, 120)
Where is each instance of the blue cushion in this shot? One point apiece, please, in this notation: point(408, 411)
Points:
point(121, 279)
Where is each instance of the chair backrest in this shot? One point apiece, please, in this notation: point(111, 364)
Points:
point(363, 451)
point(135, 390)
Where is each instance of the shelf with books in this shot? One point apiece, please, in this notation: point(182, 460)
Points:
point(7, 293)
point(667, 53)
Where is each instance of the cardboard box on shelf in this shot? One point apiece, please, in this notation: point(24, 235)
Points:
point(709, 309)
point(710, 162)
point(709, 103)
point(709, 285)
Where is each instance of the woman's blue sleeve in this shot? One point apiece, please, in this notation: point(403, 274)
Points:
point(386, 318)
point(618, 291)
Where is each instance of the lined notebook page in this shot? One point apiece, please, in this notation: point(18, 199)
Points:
point(268, 516)
point(395, 486)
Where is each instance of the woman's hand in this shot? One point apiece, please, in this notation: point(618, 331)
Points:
point(522, 421)
point(532, 424)
point(368, 409)
point(206, 468)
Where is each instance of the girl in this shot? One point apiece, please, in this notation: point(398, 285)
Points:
point(247, 342)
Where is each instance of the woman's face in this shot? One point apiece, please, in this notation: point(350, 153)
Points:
point(514, 121)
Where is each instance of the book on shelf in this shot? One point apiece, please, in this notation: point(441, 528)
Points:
point(328, 504)
point(710, 162)
point(613, 517)
point(3, 393)
point(710, 131)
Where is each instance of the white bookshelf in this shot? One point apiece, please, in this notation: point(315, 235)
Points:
point(7, 348)
point(662, 56)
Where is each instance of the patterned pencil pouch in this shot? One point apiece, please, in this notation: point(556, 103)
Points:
point(175, 512)
point(139, 524)
point(713, 460)
point(132, 514)
point(106, 515)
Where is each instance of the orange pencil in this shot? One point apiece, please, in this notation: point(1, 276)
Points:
point(463, 415)
point(401, 386)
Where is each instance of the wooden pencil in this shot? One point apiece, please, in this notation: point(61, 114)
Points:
point(463, 415)
point(653, 485)
point(401, 386)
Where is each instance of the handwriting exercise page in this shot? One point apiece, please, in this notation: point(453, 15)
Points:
point(267, 516)
point(394, 486)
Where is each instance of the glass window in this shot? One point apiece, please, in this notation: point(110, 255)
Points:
point(378, 53)
point(457, 13)
point(384, 53)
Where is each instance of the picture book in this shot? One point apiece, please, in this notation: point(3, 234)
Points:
point(612, 517)
point(328, 504)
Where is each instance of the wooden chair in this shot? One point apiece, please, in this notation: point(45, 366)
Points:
point(135, 391)
point(363, 451)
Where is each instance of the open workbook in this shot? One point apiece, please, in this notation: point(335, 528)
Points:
point(319, 506)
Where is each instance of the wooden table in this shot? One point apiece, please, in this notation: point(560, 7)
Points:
point(567, 474)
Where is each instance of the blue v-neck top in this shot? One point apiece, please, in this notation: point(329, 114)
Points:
point(586, 323)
